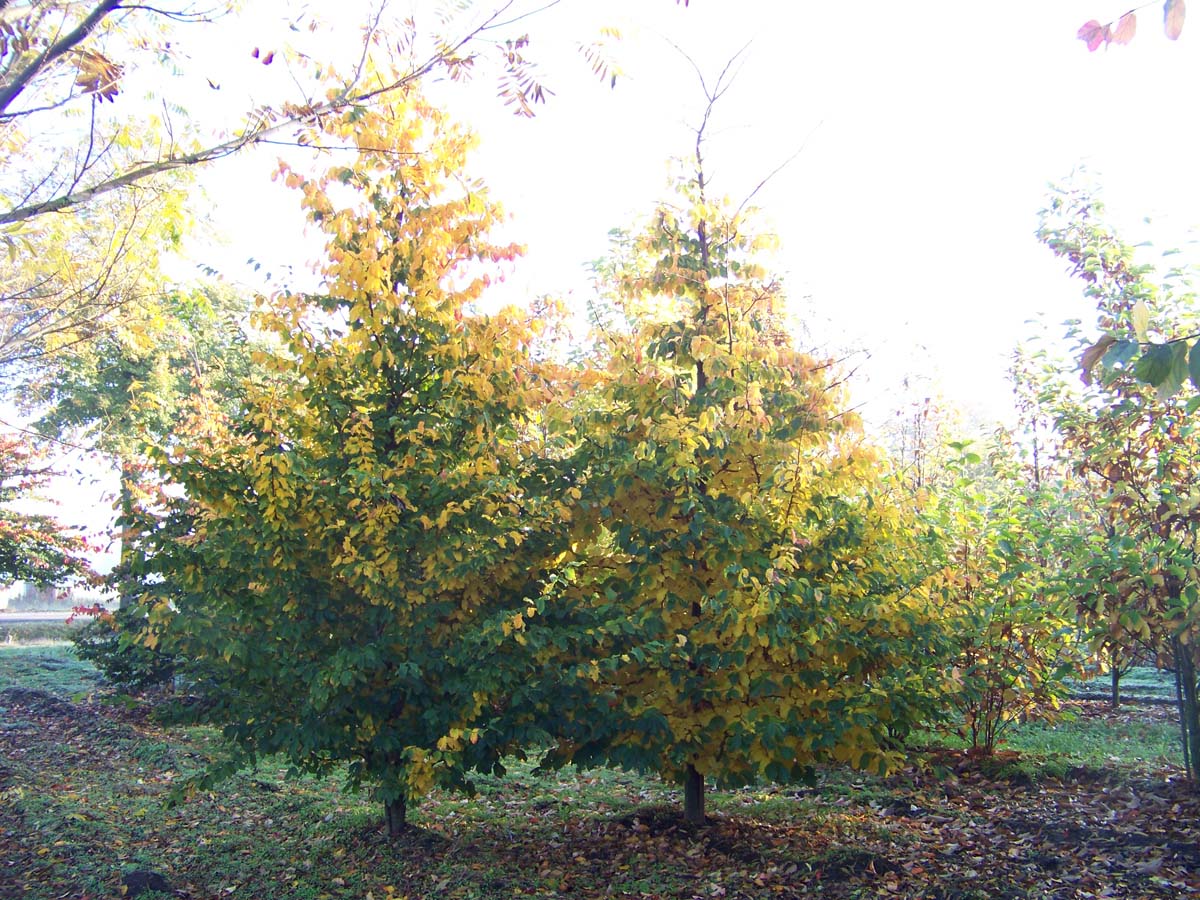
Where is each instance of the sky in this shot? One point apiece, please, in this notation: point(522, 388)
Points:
point(928, 136)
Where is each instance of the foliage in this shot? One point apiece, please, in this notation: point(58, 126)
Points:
point(80, 61)
point(33, 546)
point(1162, 352)
point(1013, 630)
point(112, 643)
point(729, 508)
point(1137, 449)
point(357, 559)
point(1121, 31)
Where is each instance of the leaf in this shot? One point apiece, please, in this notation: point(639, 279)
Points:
point(1092, 355)
point(1154, 365)
point(1121, 353)
point(1092, 33)
point(1126, 29)
point(1173, 14)
point(1140, 315)
point(1194, 364)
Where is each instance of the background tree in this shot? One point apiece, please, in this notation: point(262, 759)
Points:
point(1138, 451)
point(127, 387)
point(997, 535)
point(33, 546)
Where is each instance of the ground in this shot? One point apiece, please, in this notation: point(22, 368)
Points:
point(83, 777)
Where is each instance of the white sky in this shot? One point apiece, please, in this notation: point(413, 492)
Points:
point(933, 130)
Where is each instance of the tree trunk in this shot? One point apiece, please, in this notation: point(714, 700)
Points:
point(396, 812)
point(1189, 708)
point(1116, 686)
point(693, 796)
point(128, 477)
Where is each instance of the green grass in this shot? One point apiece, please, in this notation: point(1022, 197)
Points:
point(1089, 742)
point(1139, 683)
point(48, 667)
point(38, 632)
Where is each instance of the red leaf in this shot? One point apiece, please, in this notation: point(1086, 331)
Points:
point(1173, 13)
point(1092, 34)
point(1126, 28)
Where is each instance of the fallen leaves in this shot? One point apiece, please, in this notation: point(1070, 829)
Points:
point(76, 776)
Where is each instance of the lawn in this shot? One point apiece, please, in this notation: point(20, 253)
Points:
point(1093, 807)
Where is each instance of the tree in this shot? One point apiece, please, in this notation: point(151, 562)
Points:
point(729, 508)
point(33, 546)
point(128, 386)
point(999, 526)
point(357, 562)
point(1138, 450)
point(63, 58)
point(1164, 354)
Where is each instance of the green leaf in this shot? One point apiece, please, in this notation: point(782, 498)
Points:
point(1154, 365)
point(1194, 365)
point(1120, 353)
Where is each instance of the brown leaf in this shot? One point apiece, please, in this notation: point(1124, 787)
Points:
point(1091, 33)
point(1092, 355)
point(1173, 13)
point(1126, 29)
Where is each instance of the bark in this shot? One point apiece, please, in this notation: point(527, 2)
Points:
point(1189, 708)
point(1116, 686)
point(396, 812)
point(128, 480)
point(693, 796)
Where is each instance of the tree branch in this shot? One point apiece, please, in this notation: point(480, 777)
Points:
point(56, 50)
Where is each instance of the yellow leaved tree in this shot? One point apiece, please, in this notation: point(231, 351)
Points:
point(356, 568)
point(763, 603)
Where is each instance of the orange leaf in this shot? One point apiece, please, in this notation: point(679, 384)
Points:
point(1125, 30)
point(1173, 13)
point(1092, 33)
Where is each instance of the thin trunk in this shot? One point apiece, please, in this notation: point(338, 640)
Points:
point(693, 796)
point(1116, 686)
point(1189, 708)
point(396, 812)
point(128, 478)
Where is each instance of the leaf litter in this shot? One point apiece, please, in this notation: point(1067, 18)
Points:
point(83, 783)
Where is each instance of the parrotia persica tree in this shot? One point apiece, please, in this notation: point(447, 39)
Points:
point(1137, 450)
point(358, 563)
point(728, 507)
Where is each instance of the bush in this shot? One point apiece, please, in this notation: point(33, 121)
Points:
point(109, 642)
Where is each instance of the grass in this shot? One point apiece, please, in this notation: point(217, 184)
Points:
point(83, 785)
point(1139, 683)
point(38, 632)
point(50, 667)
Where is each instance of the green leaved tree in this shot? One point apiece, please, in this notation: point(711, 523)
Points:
point(357, 563)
